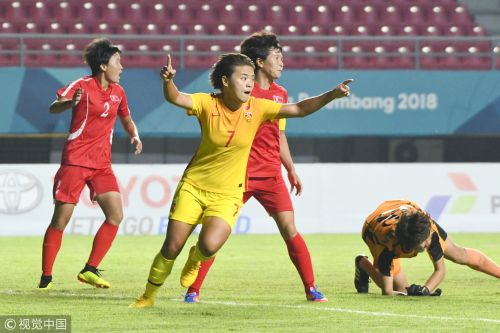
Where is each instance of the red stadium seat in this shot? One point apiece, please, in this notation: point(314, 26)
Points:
point(41, 11)
point(9, 52)
point(15, 11)
point(251, 13)
point(136, 12)
point(368, 14)
point(277, 14)
point(346, 14)
point(198, 54)
point(392, 14)
point(65, 11)
point(460, 15)
point(113, 12)
point(414, 15)
point(323, 14)
point(437, 15)
point(207, 13)
point(182, 13)
point(230, 14)
point(136, 53)
point(89, 12)
point(9, 27)
point(299, 13)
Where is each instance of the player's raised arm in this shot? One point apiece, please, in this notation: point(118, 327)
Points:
point(313, 104)
point(170, 91)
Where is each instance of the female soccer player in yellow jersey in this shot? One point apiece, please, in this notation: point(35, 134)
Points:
point(268, 154)
point(211, 189)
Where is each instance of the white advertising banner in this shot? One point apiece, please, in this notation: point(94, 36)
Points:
point(336, 197)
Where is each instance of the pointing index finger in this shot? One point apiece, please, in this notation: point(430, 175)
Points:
point(347, 81)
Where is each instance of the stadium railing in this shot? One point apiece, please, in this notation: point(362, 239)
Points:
point(200, 51)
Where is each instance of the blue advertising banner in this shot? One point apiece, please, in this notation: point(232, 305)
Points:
point(382, 103)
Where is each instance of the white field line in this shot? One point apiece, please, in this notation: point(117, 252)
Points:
point(237, 304)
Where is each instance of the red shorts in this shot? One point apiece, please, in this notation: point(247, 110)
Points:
point(70, 180)
point(271, 192)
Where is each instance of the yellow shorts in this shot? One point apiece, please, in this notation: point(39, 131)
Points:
point(191, 205)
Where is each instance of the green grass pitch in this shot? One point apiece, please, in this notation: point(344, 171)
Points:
point(252, 287)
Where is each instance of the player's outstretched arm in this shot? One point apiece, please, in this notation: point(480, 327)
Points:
point(313, 104)
point(170, 91)
point(62, 104)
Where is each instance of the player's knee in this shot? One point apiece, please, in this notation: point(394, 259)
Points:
point(115, 218)
point(209, 249)
point(171, 250)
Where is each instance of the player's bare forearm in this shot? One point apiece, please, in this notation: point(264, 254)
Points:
point(60, 106)
point(130, 128)
point(170, 91)
point(313, 104)
point(174, 96)
point(286, 160)
point(285, 155)
point(437, 276)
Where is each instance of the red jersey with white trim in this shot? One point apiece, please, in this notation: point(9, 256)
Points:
point(264, 160)
point(91, 132)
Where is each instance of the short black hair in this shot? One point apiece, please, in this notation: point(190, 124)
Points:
point(98, 52)
point(259, 44)
point(225, 67)
point(413, 229)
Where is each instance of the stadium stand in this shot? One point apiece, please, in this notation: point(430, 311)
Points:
point(363, 34)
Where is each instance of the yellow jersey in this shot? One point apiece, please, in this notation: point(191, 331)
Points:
point(220, 162)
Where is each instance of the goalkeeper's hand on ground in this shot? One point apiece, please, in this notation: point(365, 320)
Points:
point(417, 290)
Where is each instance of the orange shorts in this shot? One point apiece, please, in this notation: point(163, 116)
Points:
point(70, 180)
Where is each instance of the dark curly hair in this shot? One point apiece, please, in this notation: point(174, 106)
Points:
point(413, 229)
point(225, 67)
point(259, 44)
point(98, 52)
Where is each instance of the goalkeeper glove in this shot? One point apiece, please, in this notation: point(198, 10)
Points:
point(416, 290)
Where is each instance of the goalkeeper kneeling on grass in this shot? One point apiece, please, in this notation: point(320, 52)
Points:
point(401, 229)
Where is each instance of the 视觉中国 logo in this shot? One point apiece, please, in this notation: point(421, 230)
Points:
point(20, 191)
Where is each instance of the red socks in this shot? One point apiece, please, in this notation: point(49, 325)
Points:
point(205, 266)
point(299, 254)
point(102, 242)
point(51, 245)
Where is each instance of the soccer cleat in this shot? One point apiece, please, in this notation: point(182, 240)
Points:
point(142, 302)
point(361, 278)
point(191, 297)
point(190, 271)
point(314, 295)
point(45, 282)
point(91, 275)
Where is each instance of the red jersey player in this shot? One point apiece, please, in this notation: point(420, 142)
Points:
point(95, 101)
point(269, 150)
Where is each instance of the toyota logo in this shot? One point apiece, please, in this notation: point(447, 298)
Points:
point(20, 191)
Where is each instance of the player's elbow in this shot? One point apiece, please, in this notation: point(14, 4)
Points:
point(54, 109)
